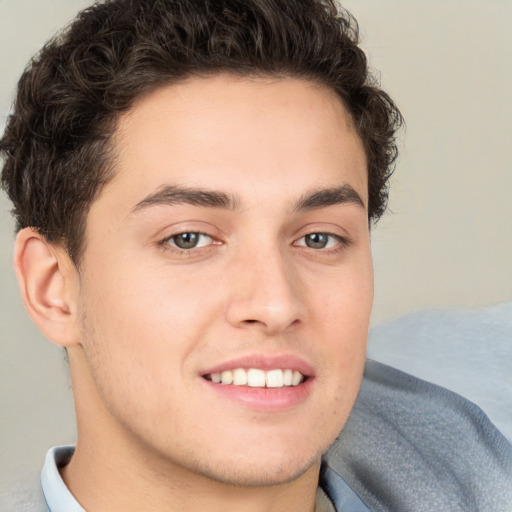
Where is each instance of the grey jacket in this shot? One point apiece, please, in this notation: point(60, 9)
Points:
point(412, 446)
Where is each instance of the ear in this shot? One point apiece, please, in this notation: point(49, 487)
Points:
point(49, 286)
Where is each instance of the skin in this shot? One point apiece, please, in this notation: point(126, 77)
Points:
point(142, 320)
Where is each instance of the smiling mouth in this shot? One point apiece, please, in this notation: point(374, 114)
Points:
point(257, 378)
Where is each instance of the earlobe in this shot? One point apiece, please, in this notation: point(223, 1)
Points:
point(48, 283)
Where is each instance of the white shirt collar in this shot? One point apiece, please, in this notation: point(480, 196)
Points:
point(57, 495)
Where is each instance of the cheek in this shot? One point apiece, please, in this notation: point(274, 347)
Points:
point(141, 327)
point(344, 301)
point(135, 351)
point(151, 307)
point(343, 311)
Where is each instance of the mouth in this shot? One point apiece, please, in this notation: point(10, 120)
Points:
point(262, 382)
point(257, 377)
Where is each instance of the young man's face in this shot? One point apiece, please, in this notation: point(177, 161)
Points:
point(233, 240)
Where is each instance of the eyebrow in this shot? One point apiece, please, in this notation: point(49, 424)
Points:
point(329, 197)
point(169, 195)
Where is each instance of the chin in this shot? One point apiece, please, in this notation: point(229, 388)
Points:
point(262, 465)
point(259, 457)
point(258, 474)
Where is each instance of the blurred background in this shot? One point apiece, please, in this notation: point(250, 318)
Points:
point(445, 244)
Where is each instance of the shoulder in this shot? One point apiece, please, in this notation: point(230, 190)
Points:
point(409, 445)
point(27, 496)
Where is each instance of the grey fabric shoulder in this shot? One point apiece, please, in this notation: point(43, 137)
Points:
point(26, 497)
point(412, 446)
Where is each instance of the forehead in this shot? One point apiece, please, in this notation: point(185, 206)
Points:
point(233, 132)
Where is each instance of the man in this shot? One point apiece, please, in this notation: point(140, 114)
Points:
point(193, 184)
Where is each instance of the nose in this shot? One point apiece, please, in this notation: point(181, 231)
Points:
point(266, 294)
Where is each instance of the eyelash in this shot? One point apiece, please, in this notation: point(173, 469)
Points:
point(342, 243)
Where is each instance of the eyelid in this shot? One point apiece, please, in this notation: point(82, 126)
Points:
point(188, 226)
point(333, 228)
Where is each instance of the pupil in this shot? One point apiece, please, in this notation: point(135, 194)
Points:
point(316, 240)
point(186, 240)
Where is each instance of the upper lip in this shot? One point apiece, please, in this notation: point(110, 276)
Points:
point(263, 362)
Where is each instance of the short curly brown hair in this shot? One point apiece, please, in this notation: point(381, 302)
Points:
point(56, 146)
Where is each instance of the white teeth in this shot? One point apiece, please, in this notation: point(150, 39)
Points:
point(275, 379)
point(226, 377)
point(297, 378)
point(239, 377)
point(256, 378)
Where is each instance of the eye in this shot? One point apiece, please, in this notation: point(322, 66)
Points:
point(320, 241)
point(189, 240)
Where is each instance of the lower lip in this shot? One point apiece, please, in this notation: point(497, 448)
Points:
point(264, 399)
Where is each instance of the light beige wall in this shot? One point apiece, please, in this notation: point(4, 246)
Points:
point(448, 65)
point(448, 242)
